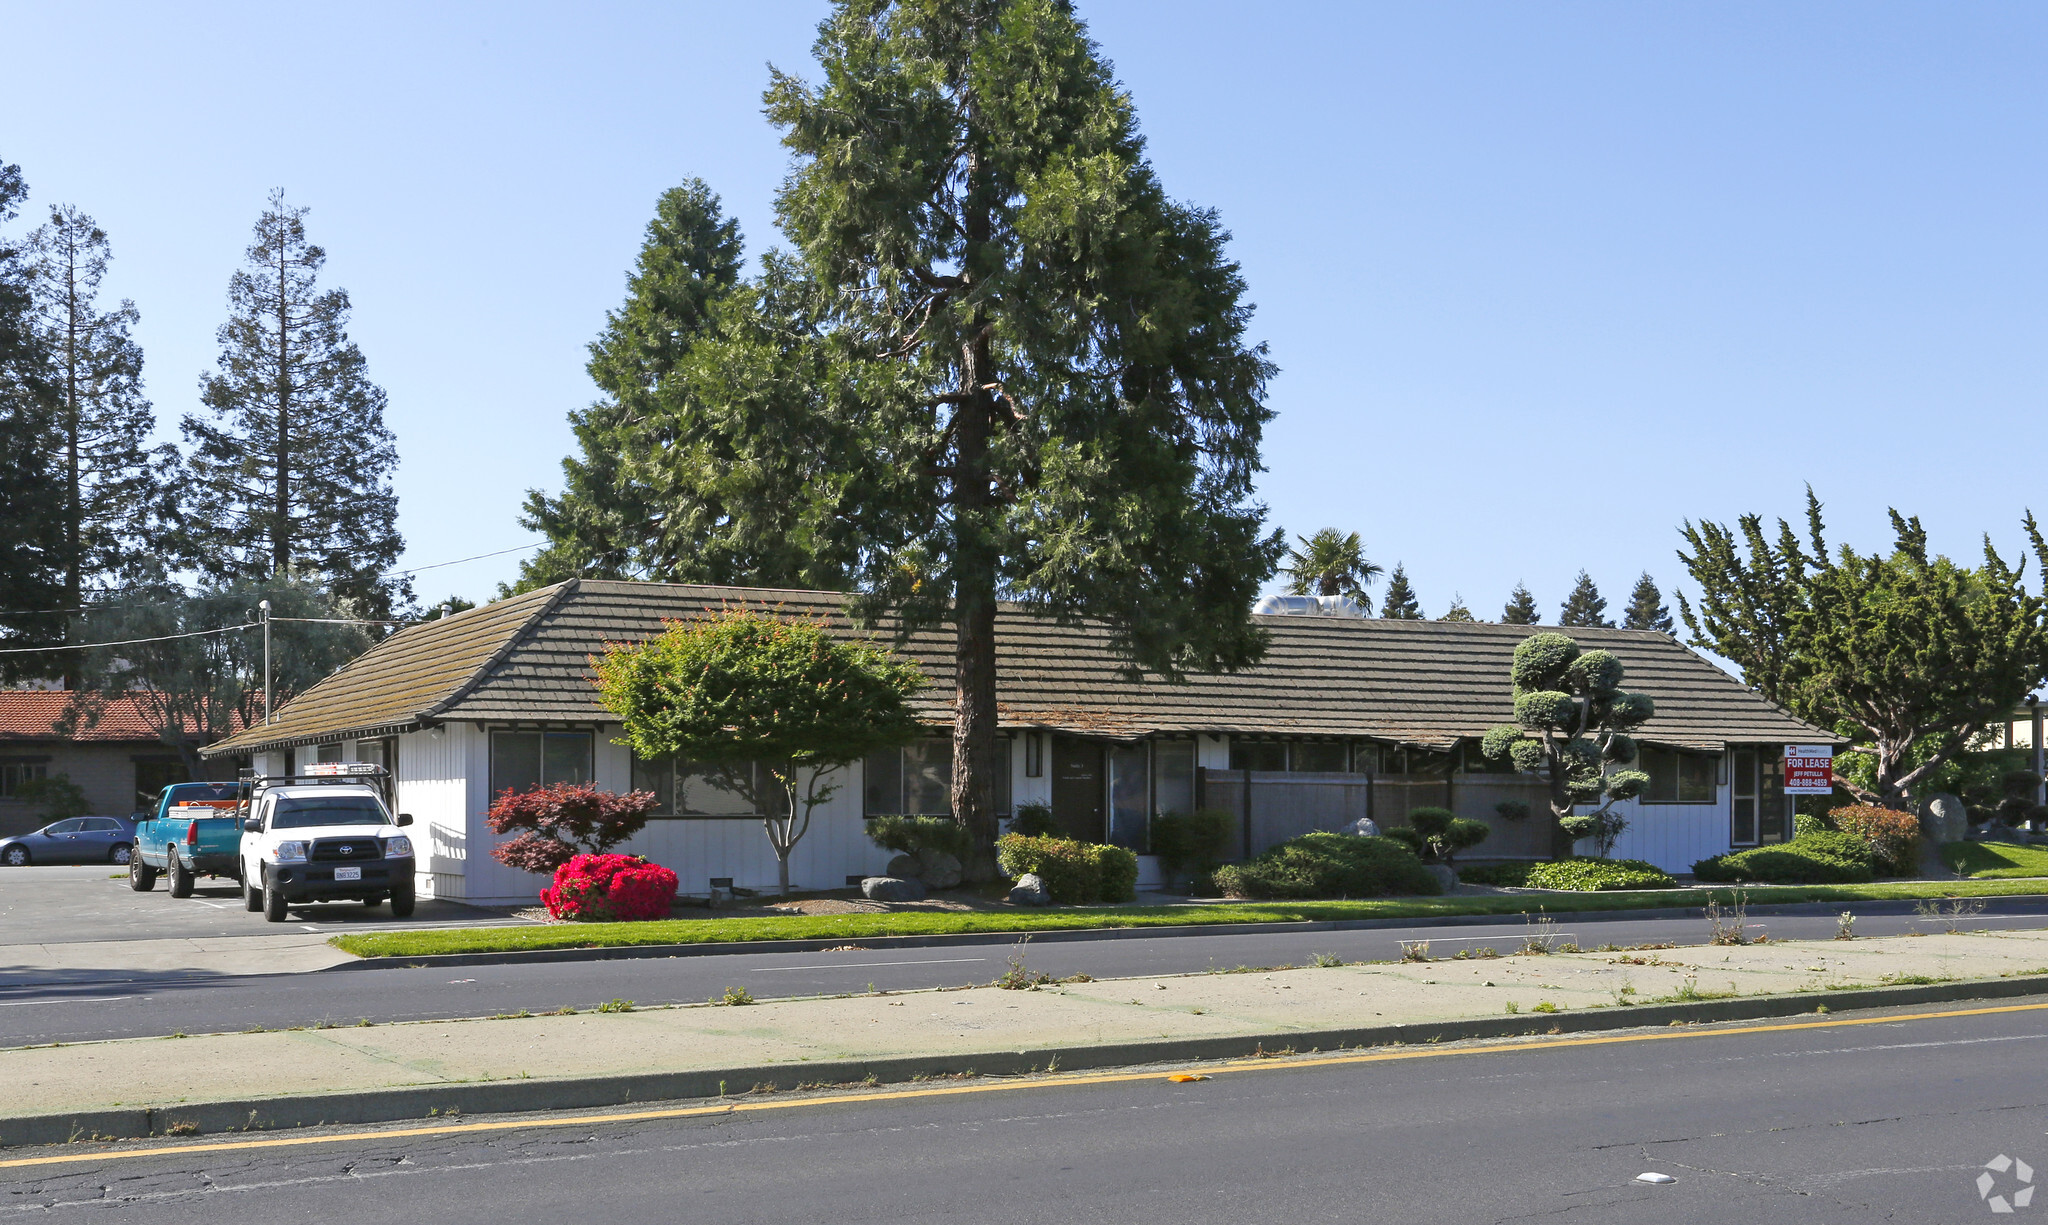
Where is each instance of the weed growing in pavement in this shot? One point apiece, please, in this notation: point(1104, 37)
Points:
point(1021, 977)
point(1544, 1006)
point(734, 997)
point(1624, 995)
point(512, 1016)
point(1415, 950)
point(365, 1023)
point(564, 1011)
point(1689, 993)
point(1541, 934)
point(1949, 912)
point(1325, 961)
point(1914, 980)
point(1514, 1007)
point(183, 1127)
point(1845, 925)
point(1727, 926)
point(616, 1006)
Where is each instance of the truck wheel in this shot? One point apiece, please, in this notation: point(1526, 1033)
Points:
point(141, 877)
point(273, 905)
point(401, 903)
point(252, 896)
point(182, 877)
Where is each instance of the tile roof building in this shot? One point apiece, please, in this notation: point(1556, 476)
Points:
point(478, 693)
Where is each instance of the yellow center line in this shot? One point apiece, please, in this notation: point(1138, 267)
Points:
point(1046, 1082)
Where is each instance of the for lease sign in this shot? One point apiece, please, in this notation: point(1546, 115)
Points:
point(1809, 769)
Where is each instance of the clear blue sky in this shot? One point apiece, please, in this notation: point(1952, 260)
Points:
point(1542, 280)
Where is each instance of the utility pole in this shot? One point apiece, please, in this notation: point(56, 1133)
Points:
point(265, 608)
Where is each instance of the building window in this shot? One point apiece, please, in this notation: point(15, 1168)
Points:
point(917, 779)
point(1264, 756)
point(1034, 755)
point(522, 760)
point(1173, 776)
point(1676, 776)
point(1319, 757)
point(689, 789)
point(14, 775)
point(328, 752)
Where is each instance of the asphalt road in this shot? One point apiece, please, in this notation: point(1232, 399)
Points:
point(143, 1005)
point(62, 905)
point(1845, 1123)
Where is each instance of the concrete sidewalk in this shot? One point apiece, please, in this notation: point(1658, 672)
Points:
point(396, 1071)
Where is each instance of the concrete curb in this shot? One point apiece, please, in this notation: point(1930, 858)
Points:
point(415, 1103)
point(730, 948)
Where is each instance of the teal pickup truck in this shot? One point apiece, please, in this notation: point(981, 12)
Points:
point(196, 831)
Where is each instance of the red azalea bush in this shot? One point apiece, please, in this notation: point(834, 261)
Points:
point(608, 888)
point(557, 822)
point(1894, 836)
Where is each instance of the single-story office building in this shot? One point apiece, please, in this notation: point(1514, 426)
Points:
point(1345, 717)
point(105, 745)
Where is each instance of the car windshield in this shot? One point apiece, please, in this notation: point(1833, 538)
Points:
point(298, 812)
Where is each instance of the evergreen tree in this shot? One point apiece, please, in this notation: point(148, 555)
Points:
point(1584, 606)
point(1521, 608)
point(1457, 611)
point(1399, 603)
point(1646, 609)
point(116, 487)
point(291, 465)
point(31, 531)
point(1012, 363)
point(1331, 563)
point(608, 520)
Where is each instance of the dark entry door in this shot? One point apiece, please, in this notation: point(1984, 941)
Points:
point(1079, 782)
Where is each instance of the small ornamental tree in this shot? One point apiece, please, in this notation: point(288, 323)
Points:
point(556, 823)
point(771, 708)
point(1572, 720)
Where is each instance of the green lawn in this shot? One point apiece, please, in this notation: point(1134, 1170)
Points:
point(1994, 860)
point(913, 923)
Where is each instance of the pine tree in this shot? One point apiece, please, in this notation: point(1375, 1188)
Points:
point(608, 521)
point(1646, 609)
point(291, 465)
point(1399, 603)
point(1521, 608)
point(1014, 363)
point(116, 487)
point(31, 531)
point(1457, 611)
point(1584, 606)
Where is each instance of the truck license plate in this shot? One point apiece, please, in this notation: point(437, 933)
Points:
point(348, 874)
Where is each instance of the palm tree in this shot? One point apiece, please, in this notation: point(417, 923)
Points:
point(1331, 563)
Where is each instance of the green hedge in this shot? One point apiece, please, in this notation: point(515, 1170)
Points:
point(1325, 865)
point(1581, 875)
point(1193, 842)
point(910, 835)
point(1820, 857)
point(1075, 873)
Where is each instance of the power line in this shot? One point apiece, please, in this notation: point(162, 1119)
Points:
point(128, 642)
point(458, 561)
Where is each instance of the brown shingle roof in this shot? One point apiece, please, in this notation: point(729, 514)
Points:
point(1415, 682)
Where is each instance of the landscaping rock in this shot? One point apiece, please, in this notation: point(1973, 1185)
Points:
point(892, 889)
point(1445, 875)
point(1943, 818)
point(937, 869)
point(902, 867)
point(1030, 891)
point(1364, 827)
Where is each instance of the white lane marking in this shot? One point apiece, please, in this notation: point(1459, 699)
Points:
point(83, 999)
point(309, 927)
point(856, 965)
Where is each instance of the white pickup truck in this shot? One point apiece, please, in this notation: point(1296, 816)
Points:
point(324, 836)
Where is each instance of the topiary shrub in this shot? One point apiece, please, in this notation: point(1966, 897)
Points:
point(1326, 865)
point(1893, 836)
point(1075, 873)
point(912, 835)
point(1826, 858)
point(608, 888)
point(1033, 820)
point(1192, 843)
point(1438, 834)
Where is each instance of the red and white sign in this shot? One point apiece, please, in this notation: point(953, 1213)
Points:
point(1809, 769)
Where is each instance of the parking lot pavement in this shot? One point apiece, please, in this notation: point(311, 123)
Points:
point(74, 905)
